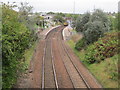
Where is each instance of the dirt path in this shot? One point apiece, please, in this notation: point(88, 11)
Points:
point(56, 66)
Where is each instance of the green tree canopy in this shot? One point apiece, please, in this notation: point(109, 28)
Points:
point(94, 25)
point(58, 19)
point(16, 38)
point(80, 23)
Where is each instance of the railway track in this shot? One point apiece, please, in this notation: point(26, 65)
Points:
point(83, 83)
point(80, 75)
point(54, 70)
point(58, 67)
point(49, 79)
point(83, 79)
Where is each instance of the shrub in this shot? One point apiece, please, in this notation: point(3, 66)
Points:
point(89, 56)
point(16, 38)
point(104, 48)
point(80, 44)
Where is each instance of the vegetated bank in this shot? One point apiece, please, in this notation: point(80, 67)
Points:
point(99, 48)
point(16, 39)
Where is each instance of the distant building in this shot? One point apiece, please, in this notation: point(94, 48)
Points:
point(48, 18)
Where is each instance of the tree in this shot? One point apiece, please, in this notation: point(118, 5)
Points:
point(94, 31)
point(80, 23)
point(98, 24)
point(118, 18)
point(16, 38)
point(39, 21)
point(60, 14)
point(93, 26)
point(58, 19)
point(50, 13)
point(25, 8)
point(99, 15)
point(25, 11)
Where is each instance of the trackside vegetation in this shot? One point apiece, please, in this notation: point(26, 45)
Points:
point(101, 60)
point(16, 38)
point(105, 47)
point(99, 47)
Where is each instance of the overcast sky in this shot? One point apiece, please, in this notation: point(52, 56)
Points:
point(66, 6)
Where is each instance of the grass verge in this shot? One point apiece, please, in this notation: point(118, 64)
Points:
point(29, 54)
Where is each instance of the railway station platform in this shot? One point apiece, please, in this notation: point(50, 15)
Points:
point(67, 32)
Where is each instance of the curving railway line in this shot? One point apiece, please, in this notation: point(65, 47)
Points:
point(75, 76)
point(56, 66)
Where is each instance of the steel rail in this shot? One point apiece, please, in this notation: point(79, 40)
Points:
point(80, 74)
point(43, 67)
point(65, 66)
point(53, 66)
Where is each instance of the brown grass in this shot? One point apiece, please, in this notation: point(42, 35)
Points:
point(76, 37)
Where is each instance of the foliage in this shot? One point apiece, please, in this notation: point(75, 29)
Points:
point(50, 13)
point(99, 15)
point(106, 72)
point(94, 31)
point(60, 14)
point(25, 15)
point(15, 39)
point(81, 22)
point(80, 44)
point(118, 18)
point(58, 19)
point(115, 21)
point(104, 48)
point(93, 26)
point(40, 21)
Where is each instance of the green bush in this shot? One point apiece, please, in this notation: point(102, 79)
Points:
point(80, 44)
point(90, 53)
point(104, 48)
point(16, 38)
